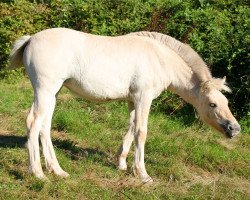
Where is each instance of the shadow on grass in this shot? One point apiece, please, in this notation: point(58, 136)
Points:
point(75, 152)
point(69, 147)
point(185, 114)
point(174, 107)
point(12, 141)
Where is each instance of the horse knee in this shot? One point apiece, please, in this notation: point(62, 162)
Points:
point(30, 120)
point(33, 123)
point(141, 136)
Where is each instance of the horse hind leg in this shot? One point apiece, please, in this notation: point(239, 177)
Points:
point(51, 161)
point(38, 122)
point(34, 122)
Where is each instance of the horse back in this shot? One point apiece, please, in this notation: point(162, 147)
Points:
point(95, 67)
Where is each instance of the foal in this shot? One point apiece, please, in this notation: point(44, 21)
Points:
point(135, 67)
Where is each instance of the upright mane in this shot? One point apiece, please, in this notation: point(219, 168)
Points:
point(193, 60)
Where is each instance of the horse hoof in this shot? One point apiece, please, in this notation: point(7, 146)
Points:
point(147, 180)
point(37, 173)
point(41, 176)
point(62, 174)
point(122, 167)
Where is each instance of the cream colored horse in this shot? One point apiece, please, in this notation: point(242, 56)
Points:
point(135, 67)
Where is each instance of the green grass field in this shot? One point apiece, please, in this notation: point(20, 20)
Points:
point(187, 160)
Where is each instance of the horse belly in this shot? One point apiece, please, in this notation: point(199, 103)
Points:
point(98, 91)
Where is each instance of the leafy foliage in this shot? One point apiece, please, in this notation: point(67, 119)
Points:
point(216, 29)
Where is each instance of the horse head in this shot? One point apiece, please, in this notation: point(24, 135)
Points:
point(213, 107)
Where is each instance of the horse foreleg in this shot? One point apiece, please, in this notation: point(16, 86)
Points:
point(127, 140)
point(45, 136)
point(142, 108)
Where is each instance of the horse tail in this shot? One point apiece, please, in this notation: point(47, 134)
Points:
point(16, 55)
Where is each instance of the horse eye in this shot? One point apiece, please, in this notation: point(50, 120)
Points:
point(213, 105)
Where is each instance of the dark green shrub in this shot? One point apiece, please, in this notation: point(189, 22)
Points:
point(17, 19)
point(216, 29)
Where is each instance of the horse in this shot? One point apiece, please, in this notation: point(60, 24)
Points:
point(136, 67)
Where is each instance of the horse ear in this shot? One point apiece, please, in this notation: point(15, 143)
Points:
point(224, 80)
point(224, 85)
point(216, 83)
point(206, 86)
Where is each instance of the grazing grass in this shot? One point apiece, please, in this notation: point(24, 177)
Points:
point(186, 159)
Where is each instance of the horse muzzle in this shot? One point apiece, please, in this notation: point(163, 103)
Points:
point(230, 129)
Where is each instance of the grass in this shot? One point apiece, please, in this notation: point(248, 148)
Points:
point(186, 159)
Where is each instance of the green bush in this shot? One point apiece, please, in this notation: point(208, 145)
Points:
point(216, 29)
point(17, 19)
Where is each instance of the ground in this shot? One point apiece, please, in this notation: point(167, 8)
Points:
point(186, 159)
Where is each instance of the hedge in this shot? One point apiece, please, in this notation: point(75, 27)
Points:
point(217, 30)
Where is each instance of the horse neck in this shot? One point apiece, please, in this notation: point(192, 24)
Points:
point(186, 85)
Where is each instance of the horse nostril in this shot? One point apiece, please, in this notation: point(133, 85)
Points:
point(233, 128)
point(230, 127)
